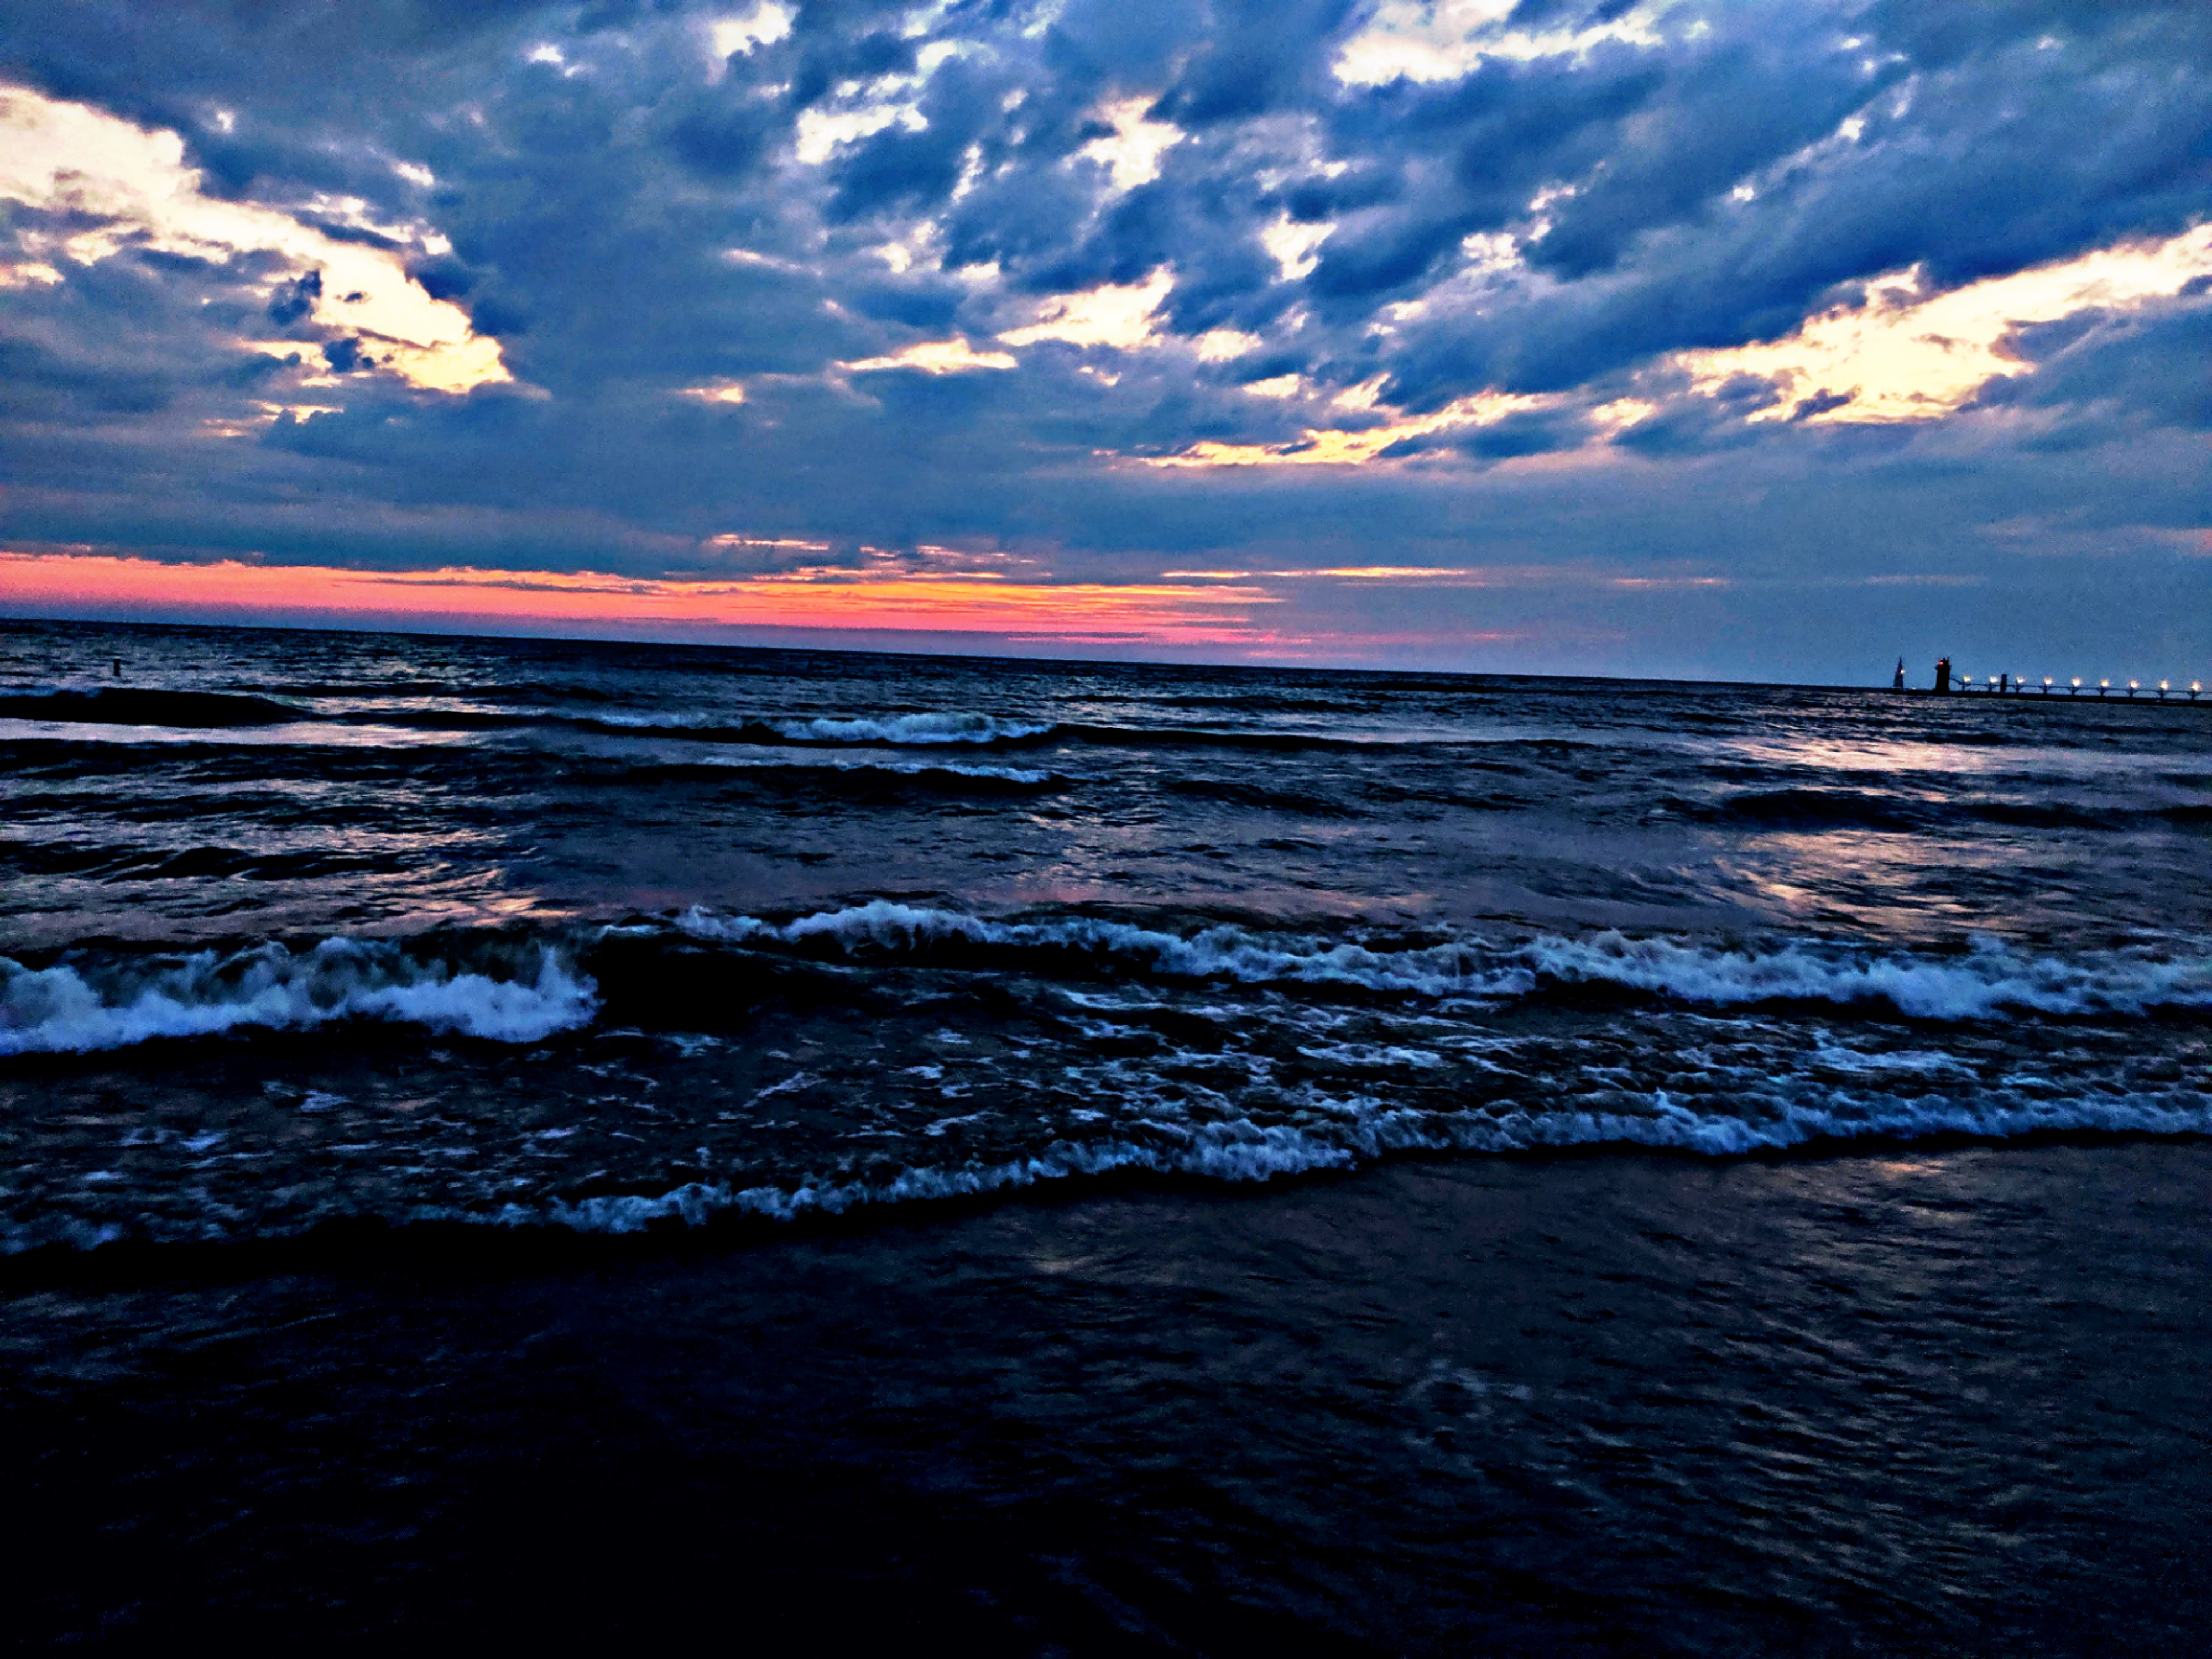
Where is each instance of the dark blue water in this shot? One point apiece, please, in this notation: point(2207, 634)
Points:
point(448, 997)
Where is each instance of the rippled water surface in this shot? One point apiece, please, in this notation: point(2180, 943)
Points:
point(304, 927)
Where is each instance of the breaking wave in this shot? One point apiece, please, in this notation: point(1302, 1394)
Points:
point(81, 1007)
point(1242, 1152)
point(894, 731)
point(82, 1004)
point(929, 729)
point(1234, 1152)
point(1994, 978)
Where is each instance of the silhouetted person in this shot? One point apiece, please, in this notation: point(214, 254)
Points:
point(1942, 674)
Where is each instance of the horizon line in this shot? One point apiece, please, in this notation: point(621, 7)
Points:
point(844, 641)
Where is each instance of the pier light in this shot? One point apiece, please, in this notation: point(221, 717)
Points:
point(2133, 687)
point(2162, 689)
point(2046, 685)
point(2103, 686)
point(2077, 686)
point(2195, 686)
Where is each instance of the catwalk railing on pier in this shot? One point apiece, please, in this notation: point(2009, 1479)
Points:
point(2020, 685)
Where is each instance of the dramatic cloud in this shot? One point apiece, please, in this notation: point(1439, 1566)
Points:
point(1674, 337)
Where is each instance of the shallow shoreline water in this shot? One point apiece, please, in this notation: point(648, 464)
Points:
point(1936, 1401)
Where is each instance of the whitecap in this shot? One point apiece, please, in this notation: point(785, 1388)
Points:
point(1992, 979)
point(76, 1008)
point(913, 729)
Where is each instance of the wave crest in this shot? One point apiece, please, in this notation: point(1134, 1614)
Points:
point(1239, 1152)
point(1991, 980)
point(914, 730)
point(79, 1008)
point(931, 731)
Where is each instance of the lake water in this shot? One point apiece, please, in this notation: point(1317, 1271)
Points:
point(1115, 1156)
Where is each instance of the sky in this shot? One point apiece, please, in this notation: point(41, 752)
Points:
point(1768, 341)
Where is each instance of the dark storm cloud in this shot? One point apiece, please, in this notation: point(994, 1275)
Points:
point(642, 210)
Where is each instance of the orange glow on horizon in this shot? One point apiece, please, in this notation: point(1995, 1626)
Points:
point(1163, 612)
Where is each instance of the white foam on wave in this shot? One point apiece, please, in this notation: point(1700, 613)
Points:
point(1223, 952)
point(1770, 1105)
point(1012, 774)
point(1235, 1153)
point(1359, 1132)
point(1240, 1151)
point(66, 1009)
point(1023, 774)
point(914, 730)
point(929, 731)
point(1992, 979)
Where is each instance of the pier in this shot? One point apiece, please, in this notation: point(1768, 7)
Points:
point(1949, 682)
